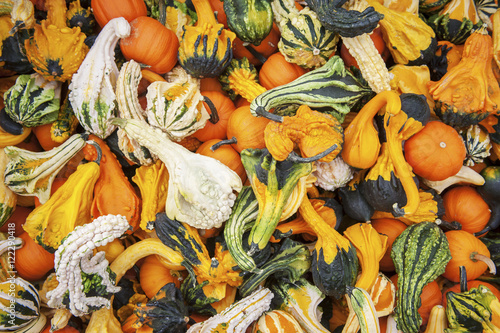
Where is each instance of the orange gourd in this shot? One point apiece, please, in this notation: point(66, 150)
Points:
point(392, 228)
point(466, 206)
point(225, 154)
point(276, 71)
point(436, 152)
point(43, 135)
point(106, 10)
point(225, 108)
point(113, 192)
point(33, 262)
point(58, 182)
point(153, 275)
point(152, 44)
point(247, 129)
point(468, 251)
point(267, 47)
point(470, 285)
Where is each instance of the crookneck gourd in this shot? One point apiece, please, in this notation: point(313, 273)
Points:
point(56, 50)
point(92, 88)
point(409, 39)
point(32, 100)
point(32, 173)
point(334, 262)
point(456, 21)
point(469, 92)
point(205, 49)
point(330, 88)
point(420, 255)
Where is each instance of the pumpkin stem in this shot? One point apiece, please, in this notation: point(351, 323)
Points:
point(214, 116)
point(256, 53)
point(162, 7)
point(98, 151)
point(274, 117)
point(297, 159)
point(463, 279)
point(449, 225)
point(223, 142)
point(487, 260)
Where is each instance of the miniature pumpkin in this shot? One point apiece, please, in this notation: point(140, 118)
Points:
point(257, 54)
point(226, 154)
point(247, 130)
point(152, 44)
point(436, 152)
point(33, 262)
point(468, 251)
point(218, 128)
point(464, 205)
point(277, 71)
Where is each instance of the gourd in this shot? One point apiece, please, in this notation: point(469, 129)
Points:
point(465, 205)
point(271, 75)
point(153, 275)
point(436, 152)
point(360, 303)
point(204, 201)
point(32, 173)
point(334, 265)
point(276, 321)
point(304, 40)
point(257, 54)
point(23, 305)
point(32, 100)
point(392, 228)
point(53, 41)
point(226, 154)
point(489, 193)
point(272, 182)
point(456, 21)
point(251, 21)
point(216, 129)
point(8, 199)
point(241, 78)
point(437, 320)
point(468, 251)
point(176, 106)
point(447, 56)
point(409, 39)
point(411, 79)
point(92, 87)
point(420, 254)
point(33, 262)
point(331, 87)
point(347, 23)
point(353, 202)
point(113, 192)
point(68, 207)
point(165, 311)
point(78, 16)
point(210, 57)
point(468, 93)
point(466, 175)
point(152, 44)
point(477, 143)
point(105, 11)
point(65, 125)
point(333, 175)
point(151, 180)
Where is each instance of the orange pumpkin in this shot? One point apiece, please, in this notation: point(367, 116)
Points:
point(436, 152)
point(211, 84)
point(247, 129)
point(225, 108)
point(153, 275)
point(468, 251)
point(152, 44)
point(32, 260)
point(392, 228)
point(466, 206)
point(225, 154)
point(106, 10)
point(43, 136)
point(276, 71)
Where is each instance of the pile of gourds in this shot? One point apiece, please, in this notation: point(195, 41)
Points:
point(249, 166)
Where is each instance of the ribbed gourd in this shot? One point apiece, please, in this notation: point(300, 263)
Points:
point(478, 145)
point(251, 21)
point(19, 304)
point(8, 199)
point(420, 254)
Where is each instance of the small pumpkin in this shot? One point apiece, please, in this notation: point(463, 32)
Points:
point(105, 10)
point(465, 205)
point(257, 54)
point(247, 129)
point(33, 262)
point(216, 129)
point(277, 71)
point(468, 251)
point(436, 152)
point(226, 154)
point(152, 44)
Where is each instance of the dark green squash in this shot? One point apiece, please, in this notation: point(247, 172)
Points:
point(353, 202)
point(492, 242)
point(13, 53)
point(250, 20)
point(196, 299)
point(165, 312)
point(471, 311)
point(347, 23)
point(420, 254)
point(331, 89)
point(490, 192)
point(24, 298)
point(79, 16)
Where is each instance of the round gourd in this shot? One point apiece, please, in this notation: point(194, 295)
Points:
point(152, 44)
point(277, 321)
point(106, 10)
point(464, 205)
point(225, 154)
point(32, 260)
point(26, 301)
point(468, 251)
point(153, 275)
point(436, 152)
point(225, 108)
point(276, 71)
point(247, 129)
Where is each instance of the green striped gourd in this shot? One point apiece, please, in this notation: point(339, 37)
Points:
point(361, 305)
point(331, 89)
point(251, 21)
point(8, 199)
point(420, 254)
point(19, 304)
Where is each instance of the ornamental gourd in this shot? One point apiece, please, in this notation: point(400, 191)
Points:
point(251, 21)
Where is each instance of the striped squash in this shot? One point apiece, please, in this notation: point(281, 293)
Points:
point(8, 199)
point(19, 306)
point(277, 321)
point(360, 304)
